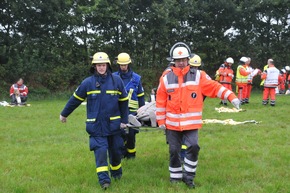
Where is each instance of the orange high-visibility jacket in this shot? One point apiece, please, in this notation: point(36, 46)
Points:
point(226, 74)
point(180, 96)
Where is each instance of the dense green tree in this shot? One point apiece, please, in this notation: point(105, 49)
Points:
point(49, 43)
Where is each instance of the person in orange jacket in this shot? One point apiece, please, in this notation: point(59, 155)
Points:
point(226, 75)
point(253, 73)
point(179, 103)
point(242, 79)
point(287, 68)
point(272, 78)
point(282, 83)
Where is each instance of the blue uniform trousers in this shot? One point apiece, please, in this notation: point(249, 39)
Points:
point(103, 146)
point(130, 141)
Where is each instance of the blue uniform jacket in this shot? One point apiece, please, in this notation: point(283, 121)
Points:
point(107, 104)
point(133, 81)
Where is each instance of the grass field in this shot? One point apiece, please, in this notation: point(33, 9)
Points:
point(40, 154)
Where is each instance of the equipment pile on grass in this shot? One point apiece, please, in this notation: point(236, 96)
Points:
point(228, 110)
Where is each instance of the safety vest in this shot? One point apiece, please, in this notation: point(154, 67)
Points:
point(265, 68)
point(132, 86)
point(240, 78)
point(272, 77)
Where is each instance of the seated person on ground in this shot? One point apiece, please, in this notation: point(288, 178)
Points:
point(18, 93)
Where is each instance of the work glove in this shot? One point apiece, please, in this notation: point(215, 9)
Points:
point(236, 102)
point(229, 74)
point(62, 118)
point(163, 127)
point(123, 125)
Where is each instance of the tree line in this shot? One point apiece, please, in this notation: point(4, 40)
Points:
point(50, 43)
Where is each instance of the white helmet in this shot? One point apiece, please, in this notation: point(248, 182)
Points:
point(283, 70)
point(287, 68)
point(230, 60)
point(244, 59)
point(180, 52)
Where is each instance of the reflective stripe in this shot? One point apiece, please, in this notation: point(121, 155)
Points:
point(183, 115)
point(160, 117)
point(227, 94)
point(94, 92)
point(220, 92)
point(183, 147)
point(179, 169)
point(115, 167)
point(141, 94)
point(188, 169)
point(102, 169)
point(190, 122)
point(116, 117)
point(111, 118)
point(170, 86)
point(191, 83)
point(130, 94)
point(76, 96)
point(131, 150)
point(176, 124)
point(123, 99)
point(173, 175)
point(160, 109)
point(133, 104)
point(190, 162)
point(183, 123)
point(113, 92)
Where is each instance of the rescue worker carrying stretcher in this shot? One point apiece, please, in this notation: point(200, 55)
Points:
point(179, 104)
point(133, 86)
point(107, 112)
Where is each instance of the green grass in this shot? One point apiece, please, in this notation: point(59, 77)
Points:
point(40, 154)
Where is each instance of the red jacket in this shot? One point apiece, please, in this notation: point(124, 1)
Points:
point(180, 96)
point(22, 89)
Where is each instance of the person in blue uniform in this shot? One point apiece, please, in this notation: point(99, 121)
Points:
point(133, 85)
point(107, 116)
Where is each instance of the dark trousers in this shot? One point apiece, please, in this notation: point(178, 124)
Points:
point(175, 140)
point(13, 99)
point(130, 142)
